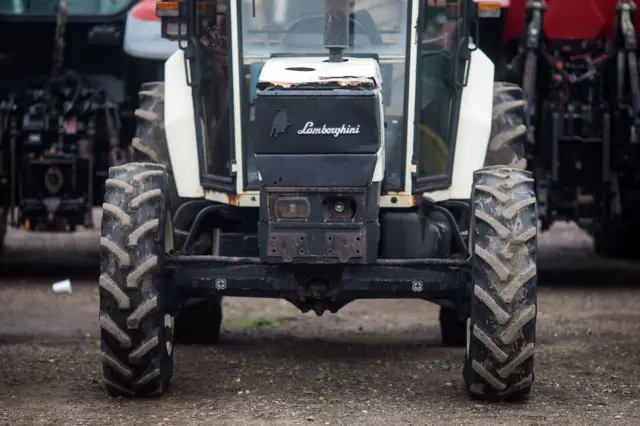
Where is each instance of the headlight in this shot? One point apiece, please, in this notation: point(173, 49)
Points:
point(292, 208)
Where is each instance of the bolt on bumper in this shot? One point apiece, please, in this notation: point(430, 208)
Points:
point(201, 276)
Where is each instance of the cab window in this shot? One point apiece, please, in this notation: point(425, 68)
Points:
point(441, 20)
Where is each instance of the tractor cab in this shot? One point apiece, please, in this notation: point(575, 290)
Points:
point(414, 50)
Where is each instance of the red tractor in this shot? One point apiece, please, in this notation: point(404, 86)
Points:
point(577, 63)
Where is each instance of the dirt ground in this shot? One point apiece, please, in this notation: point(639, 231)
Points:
point(374, 363)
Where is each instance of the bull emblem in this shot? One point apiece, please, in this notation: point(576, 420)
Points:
point(280, 123)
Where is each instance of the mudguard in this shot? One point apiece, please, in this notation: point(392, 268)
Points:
point(474, 129)
point(180, 128)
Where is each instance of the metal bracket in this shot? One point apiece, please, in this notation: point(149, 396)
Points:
point(535, 13)
point(626, 16)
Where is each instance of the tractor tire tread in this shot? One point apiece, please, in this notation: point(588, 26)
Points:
point(508, 131)
point(150, 141)
point(499, 363)
point(134, 347)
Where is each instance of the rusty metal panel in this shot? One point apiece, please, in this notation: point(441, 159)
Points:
point(288, 245)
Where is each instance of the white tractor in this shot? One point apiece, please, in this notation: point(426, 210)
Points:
point(323, 152)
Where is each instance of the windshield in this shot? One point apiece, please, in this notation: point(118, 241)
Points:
point(74, 7)
point(292, 26)
point(296, 27)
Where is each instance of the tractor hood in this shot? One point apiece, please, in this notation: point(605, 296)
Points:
point(314, 71)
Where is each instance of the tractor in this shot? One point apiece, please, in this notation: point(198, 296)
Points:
point(577, 63)
point(68, 96)
point(321, 155)
point(70, 101)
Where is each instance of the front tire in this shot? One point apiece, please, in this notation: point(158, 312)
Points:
point(136, 336)
point(502, 327)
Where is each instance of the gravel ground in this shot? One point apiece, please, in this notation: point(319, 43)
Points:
point(374, 363)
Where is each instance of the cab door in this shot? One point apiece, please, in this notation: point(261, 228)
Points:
point(443, 38)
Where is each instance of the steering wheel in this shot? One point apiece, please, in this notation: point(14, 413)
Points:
point(314, 24)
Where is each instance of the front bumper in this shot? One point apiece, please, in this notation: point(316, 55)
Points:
point(209, 276)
